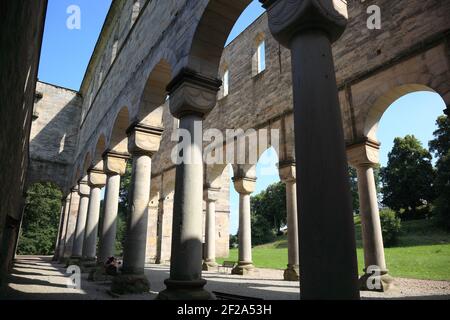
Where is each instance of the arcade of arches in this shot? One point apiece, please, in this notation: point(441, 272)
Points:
point(161, 72)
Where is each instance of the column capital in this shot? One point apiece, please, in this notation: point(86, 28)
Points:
point(84, 190)
point(75, 189)
point(96, 178)
point(287, 171)
point(192, 93)
point(244, 185)
point(115, 162)
point(364, 152)
point(211, 194)
point(288, 18)
point(144, 139)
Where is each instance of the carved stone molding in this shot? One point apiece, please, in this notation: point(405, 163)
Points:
point(211, 194)
point(287, 172)
point(289, 17)
point(144, 139)
point(83, 188)
point(363, 153)
point(244, 185)
point(192, 93)
point(114, 162)
point(97, 178)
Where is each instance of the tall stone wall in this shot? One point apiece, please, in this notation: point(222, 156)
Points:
point(54, 134)
point(21, 28)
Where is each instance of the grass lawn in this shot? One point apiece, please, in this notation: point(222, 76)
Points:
point(422, 252)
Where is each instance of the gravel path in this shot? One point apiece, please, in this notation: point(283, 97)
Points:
point(39, 278)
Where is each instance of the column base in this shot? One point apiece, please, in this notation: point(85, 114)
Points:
point(382, 283)
point(74, 260)
point(292, 273)
point(99, 274)
point(243, 268)
point(130, 284)
point(185, 290)
point(87, 264)
point(209, 265)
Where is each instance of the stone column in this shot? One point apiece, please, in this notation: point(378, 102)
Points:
point(62, 228)
point(60, 225)
point(71, 224)
point(143, 142)
point(244, 186)
point(83, 190)
point(63, 239)
point(192, 96)
point(363, 156)
point(287, 175)
point(115, 166)
point(210, 229)
point(96, 181)
point(327, 245)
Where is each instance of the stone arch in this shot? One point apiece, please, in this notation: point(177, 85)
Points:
point(98, 153)
point(118, 140)
point(154, 95)
point(86, 163)
point(383, 102)
point(76, 177)
point(211, 33)
point(372, 96)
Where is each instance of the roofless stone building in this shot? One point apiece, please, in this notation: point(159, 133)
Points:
point(309, 72)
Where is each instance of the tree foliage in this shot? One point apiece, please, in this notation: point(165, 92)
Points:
point(390, 227)
point(268, 213)
point(123, 208)
point(440, 146)
point(41, 220)
point(408, 178)
point(352, 173)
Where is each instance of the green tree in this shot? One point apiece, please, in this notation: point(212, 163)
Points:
point(440, 146)
point(354, 185)
point(408, 178)
point(268, 213)
point(123, 208)
point(41, 219)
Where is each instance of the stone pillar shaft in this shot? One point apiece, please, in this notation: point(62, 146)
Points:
point(324, 201)
point(192, 96)
point(63, 239)
point(292, 223)
point(71, 223)
point(244, 186)
point(210, 234)
point(245, 232)
point(77, 249)
point(109, 225)
point(370, 219)
point(186, 257)
point(90, 236)
point(135, 243)
point(60, 227)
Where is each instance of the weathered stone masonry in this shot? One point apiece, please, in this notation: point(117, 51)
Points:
point(150, 48)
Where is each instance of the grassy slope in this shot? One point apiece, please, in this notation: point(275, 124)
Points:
point(422, 252)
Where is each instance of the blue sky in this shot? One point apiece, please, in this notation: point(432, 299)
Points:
point(66, 53)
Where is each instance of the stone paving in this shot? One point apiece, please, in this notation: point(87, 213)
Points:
point(40, 278)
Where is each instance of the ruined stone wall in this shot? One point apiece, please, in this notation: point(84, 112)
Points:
point(54, 133)
point(373, 68)
point(21, 27)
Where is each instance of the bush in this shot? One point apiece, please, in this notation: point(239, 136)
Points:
point(390, 226)
point(234, 241)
